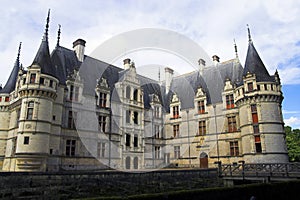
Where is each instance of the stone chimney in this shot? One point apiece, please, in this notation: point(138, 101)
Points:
point(216, 59)
point(126, 63)
point(201, 65)
point(78, 47)
point(168, 76)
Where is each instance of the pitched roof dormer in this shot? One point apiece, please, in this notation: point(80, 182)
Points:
point(11, 82)
point(42, 57)
point(254, 64)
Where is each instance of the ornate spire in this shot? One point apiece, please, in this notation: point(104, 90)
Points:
point(47, 27)
point(58, 35)
point(235, 50)
point(18, 57)
point(249, 35)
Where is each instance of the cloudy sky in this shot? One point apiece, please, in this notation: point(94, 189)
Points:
point(213, 24)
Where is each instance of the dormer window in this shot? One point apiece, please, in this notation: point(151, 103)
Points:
point(250, 87)
point(135, 95)
point(74, 93)
point(128, 92)
point(201, 107)
point(32, 78)
point(175, 112)
point(229, 101)
point(102, 100)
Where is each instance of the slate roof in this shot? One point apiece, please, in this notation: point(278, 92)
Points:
point(254, 65)
point(11, 82)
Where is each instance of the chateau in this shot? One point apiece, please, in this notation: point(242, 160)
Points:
point(70, 111)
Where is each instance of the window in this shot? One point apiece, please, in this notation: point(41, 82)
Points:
point(176, 130)
point(51, 83)
point(175, 112)
point(72, 117)
point(102, 100)
point(157, 152)
point(101, 150)
point(24, 81)
point(254, 114)
point(32, 78)
point(257, 143)
point(102, 123)
point(135, 95)
point(255, 129)
point(0, 99)
point(136, 117)
point(250, 87)
point(156, 112)
point(265, 86)
point(76, 93)
point(258, 87)
point(135, 141)
point(234, 148)
point(128, 115)
point(127, 140)
point(202, 128)
point(156, 131)
point(30, 107)
point(177, 152)
point(128, 92)
point(229, 101)
point(231, 124)
point(201, 107)
point(18, 116)
point(70, 147)
point(26, 140)
point(6, 99)
point(42, 81)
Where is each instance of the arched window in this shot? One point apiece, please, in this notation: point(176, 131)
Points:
point(127, 162)
point(128, 92)
point(30, 107)
point(136, 163)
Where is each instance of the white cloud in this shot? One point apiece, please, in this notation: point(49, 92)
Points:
point(213, 24)
point(293, 122)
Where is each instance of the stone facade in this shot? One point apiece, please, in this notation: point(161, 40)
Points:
point(56, 116)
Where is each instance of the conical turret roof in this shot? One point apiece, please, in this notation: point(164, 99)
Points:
point(11, 82)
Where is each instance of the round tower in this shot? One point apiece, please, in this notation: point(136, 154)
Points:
point(259, 99)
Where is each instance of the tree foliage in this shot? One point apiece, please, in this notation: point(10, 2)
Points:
point(293, 143)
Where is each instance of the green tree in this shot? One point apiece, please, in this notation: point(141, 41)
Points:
point(293, 143)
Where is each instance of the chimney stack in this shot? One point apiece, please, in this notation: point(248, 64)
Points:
point(126, 63)
point(78, 47)
point(201, 65)
point(216, 59)
point(168, 76)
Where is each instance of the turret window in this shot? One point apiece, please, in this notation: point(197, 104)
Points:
point(257, 144)
point(254, 114)
point(30, 107)
point(26, 140)
point(42, 81)
point(250, 87)
point(32, 78)
point(6, 99)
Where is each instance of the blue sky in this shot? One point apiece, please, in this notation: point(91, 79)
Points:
point(212, 24)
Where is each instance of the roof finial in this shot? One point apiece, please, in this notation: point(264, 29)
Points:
point(47, 27)
point(249, 35)
point(18, 57)
point(158, 74)
point(58, 35)
point(235, 49)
